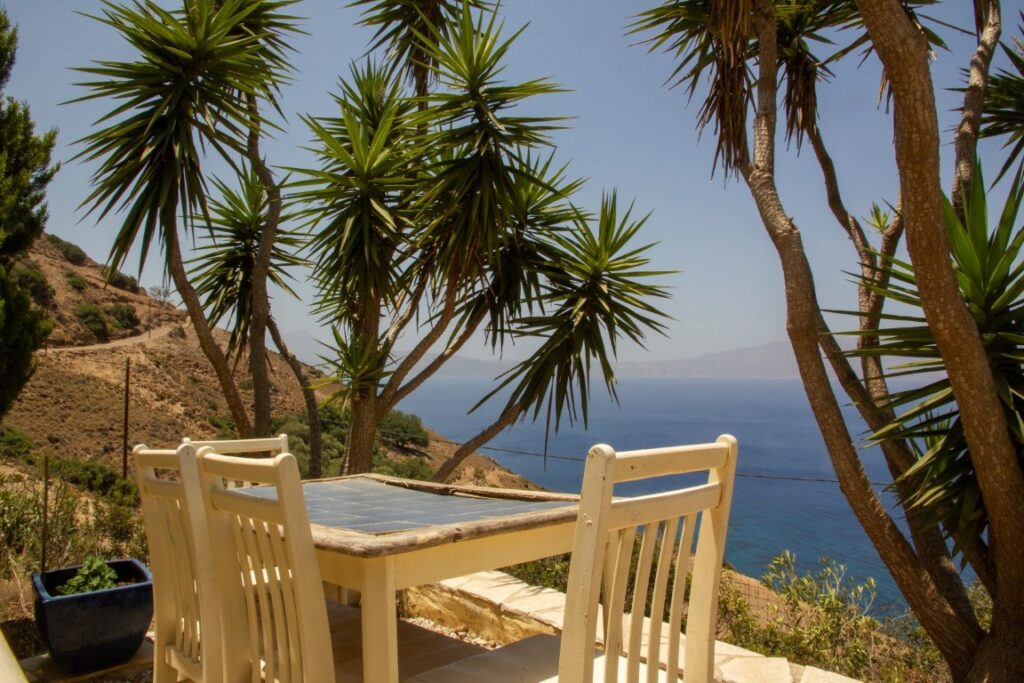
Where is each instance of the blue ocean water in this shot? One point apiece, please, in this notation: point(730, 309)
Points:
point(777, 436)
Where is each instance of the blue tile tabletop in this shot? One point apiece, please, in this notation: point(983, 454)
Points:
point(375, 507)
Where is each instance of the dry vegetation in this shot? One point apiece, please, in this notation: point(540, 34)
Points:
point(73, 407)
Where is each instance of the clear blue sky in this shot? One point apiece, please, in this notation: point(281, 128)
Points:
point(630, 132)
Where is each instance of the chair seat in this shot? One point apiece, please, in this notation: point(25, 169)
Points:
point(533, 660)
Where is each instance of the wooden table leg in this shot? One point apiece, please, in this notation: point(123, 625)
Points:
point(380, 626)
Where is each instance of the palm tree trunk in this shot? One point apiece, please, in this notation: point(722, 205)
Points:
point(364, 401)
point(362, 433)
point(954, 632)
point(447, 469)
point(260, 273)
point(198, 317)
point(316, 457)
point(904, 53)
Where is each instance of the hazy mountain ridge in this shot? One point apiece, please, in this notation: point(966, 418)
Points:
point(774, 360)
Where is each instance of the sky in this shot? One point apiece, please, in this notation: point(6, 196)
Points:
point(629, 132)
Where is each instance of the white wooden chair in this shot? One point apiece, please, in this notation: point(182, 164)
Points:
point(635, 648)
point(272, 445)
point(266, 572)
point(186, 642)
point(266, 446)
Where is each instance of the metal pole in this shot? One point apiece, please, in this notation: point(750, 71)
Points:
point(46, 507)
point(127, 382)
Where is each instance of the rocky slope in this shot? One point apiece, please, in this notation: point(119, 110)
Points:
point(74, 404)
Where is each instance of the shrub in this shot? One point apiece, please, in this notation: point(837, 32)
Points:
point(120, 280)
point(94, 319)
point(98, 478)
point(30, 277)
point(177, 332)
point(20, 519)
point(161, 294)
point(77, 282)
point(224, 426)
point(411, 467)
point(402, 429)
point(122, 316)
point(71, 252)
point(15, 446)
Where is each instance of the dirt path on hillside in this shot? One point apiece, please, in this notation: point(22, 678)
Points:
point(148, 335)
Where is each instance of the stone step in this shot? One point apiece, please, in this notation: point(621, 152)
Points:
point(502, 609)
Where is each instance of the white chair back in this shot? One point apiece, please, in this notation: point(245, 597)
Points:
point(271, 444)
point(264, 447)
point(266, 571)
point(667, 525)
point(187, 640)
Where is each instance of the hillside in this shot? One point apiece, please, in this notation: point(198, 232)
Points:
point(73, 405)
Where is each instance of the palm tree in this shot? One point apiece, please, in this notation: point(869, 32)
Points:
point(593, 293)
point(223, 275)
point(441, 209)
point(401, 27)
point(199, 72)
point(747, 51)
point(942, 483)
point(1004, 106)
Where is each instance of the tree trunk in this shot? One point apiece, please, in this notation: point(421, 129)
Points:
point(448, 467)
point(199, 324)
point(955, 633)
point(316, 448)
point(904, 53)
point(362, 432)
point(260, 272)
point(364, 401)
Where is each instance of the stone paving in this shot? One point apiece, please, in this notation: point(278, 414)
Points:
point(482, 602)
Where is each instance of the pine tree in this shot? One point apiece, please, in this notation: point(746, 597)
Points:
point(25, 172)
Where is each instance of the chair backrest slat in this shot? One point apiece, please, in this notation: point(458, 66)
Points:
point(186, 642)
point(657, 507)
point(271, 444)
point(266, 568)
point(681, 564)
point(605, 555)
point(659, 462)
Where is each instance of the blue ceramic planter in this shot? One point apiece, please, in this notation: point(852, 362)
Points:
point(92, 631)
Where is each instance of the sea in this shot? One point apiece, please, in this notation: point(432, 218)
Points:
point(786, 497)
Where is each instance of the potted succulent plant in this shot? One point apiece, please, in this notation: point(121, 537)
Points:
point(94, 615)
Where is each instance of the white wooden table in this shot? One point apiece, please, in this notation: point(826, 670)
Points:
point(379, 535)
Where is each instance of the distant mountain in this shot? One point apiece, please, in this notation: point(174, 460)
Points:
point(767, 361)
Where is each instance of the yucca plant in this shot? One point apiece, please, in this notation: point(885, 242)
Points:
point(194, 86)
point(990, 274)
point(442, 206)
point(223, 266)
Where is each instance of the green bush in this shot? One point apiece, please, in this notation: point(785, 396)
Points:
point(71, 252)
point(122, 316)
point(77, 282)
point(94, 319)
point(30, 277)
point(224, 426)
point(71, 537)
point(15, 446)
point(548, 572)
point(410, 467)
point(402, 430)
point(98, 478)
point(20, 519)
point(120, 280)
